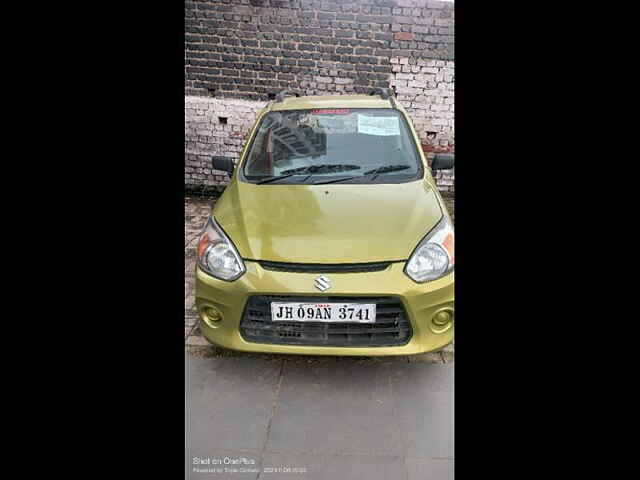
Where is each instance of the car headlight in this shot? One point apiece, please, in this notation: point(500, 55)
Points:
point(216, 254)
point(434, 255)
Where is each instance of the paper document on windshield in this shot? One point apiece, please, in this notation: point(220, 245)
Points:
point(382, 126)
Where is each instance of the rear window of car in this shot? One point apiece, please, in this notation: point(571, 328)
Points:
point(351, 145)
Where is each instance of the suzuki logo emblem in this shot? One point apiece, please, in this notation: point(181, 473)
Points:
point(323, 283)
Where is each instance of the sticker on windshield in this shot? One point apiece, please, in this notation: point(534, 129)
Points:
point(382, 126)
point(330, 111)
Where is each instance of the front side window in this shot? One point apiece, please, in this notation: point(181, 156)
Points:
point(333, 145)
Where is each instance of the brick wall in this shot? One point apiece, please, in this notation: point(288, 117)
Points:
point(240, 53)
point(214, 126)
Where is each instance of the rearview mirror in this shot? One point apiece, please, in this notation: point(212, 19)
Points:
point(223, 163)
point(442, 161)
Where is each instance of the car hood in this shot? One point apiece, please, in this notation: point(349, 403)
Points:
point(334, 223)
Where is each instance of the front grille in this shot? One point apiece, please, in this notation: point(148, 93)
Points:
point(324, 267)
point(392, 326)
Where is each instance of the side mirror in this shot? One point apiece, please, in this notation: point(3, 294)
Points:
point(442, 161)
point(223, 163)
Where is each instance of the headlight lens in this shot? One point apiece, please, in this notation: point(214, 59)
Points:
point(216, 254)
point(434, 255)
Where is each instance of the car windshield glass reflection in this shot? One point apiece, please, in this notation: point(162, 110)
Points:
point(327, 146)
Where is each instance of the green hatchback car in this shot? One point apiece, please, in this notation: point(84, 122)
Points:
point(331, 238)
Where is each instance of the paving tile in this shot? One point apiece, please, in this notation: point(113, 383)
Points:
point(429, 468)
point(190, 254)
point(229, 402)
point(189, 304)
point(190, 318)
point(197, 340)
point(447, 357)
point(423, 396)
point(333, 408)
point(431, 357)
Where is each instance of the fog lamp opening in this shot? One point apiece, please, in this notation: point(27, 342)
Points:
point(211, 316)
point(442, 318)
point(442, 321)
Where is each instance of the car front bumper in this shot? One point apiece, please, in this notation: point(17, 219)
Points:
point(421, 302)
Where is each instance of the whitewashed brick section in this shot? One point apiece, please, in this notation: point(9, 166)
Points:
point(206, 136)
point(426, 89)
point(445, 180)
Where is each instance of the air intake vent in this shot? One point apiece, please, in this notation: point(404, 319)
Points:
point(392, 326)
point(324, 267)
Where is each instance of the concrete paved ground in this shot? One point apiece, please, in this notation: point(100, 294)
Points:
point(289, 417)
point(262, 416)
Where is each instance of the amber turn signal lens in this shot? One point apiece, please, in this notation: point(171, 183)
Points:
point(447, 243)
point(203, 244)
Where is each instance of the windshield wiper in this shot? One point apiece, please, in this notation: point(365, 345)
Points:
point(273, 179)
point(375, 172)
point(387, 168)
point(384, 169)
point(328, 168)
point(322, 168)
point(310, 170)
point(334, 180)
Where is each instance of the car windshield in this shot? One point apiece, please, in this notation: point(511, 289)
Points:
point(333, 145)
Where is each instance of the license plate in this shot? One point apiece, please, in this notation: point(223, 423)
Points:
point(323, 312)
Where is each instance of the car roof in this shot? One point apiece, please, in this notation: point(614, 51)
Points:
point(330, 101)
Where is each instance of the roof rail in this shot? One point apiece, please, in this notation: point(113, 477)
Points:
point(385, 94)
point(280, 96)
